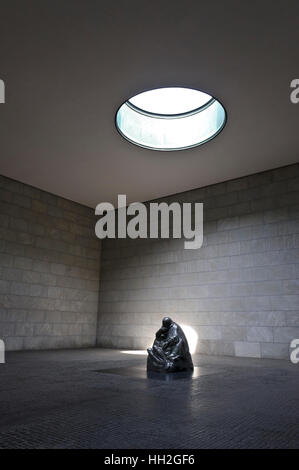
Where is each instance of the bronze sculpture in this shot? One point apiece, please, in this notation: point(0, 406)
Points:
point(170, 351)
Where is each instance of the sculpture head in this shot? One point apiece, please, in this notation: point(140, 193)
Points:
point(167, 322)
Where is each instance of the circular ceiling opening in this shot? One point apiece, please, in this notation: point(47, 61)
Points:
point(170, 118)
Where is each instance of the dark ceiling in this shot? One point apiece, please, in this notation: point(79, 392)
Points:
point(68, 65)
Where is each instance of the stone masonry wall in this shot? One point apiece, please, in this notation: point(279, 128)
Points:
point(239, 292)
point(49, 270)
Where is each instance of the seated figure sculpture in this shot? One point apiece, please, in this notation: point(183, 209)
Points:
point(170, 351)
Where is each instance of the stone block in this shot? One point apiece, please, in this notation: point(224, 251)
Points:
point(261, 334)
point(285, 334)
point(246, 349)
point(275, 351)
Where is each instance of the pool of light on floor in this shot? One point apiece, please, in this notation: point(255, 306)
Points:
point(136, 353)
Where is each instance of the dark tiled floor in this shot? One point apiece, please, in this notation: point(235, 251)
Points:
point(60, 400)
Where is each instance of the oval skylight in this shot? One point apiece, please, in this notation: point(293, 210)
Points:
point(170, 118)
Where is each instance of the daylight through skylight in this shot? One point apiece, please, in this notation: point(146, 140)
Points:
point(170, 118)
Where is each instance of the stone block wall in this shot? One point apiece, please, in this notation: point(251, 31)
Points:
point(239, 292)
point(49, 270)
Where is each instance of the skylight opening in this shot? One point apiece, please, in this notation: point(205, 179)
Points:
point(170, 118)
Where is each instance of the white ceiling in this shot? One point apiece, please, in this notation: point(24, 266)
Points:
point(68, 65)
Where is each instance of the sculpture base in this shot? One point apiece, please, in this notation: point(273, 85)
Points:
point(140, 372)
point(181, 365)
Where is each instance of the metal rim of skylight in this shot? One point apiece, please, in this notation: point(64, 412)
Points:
point(170, 116)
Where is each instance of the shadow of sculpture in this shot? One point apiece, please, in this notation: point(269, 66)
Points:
point(170, 351)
